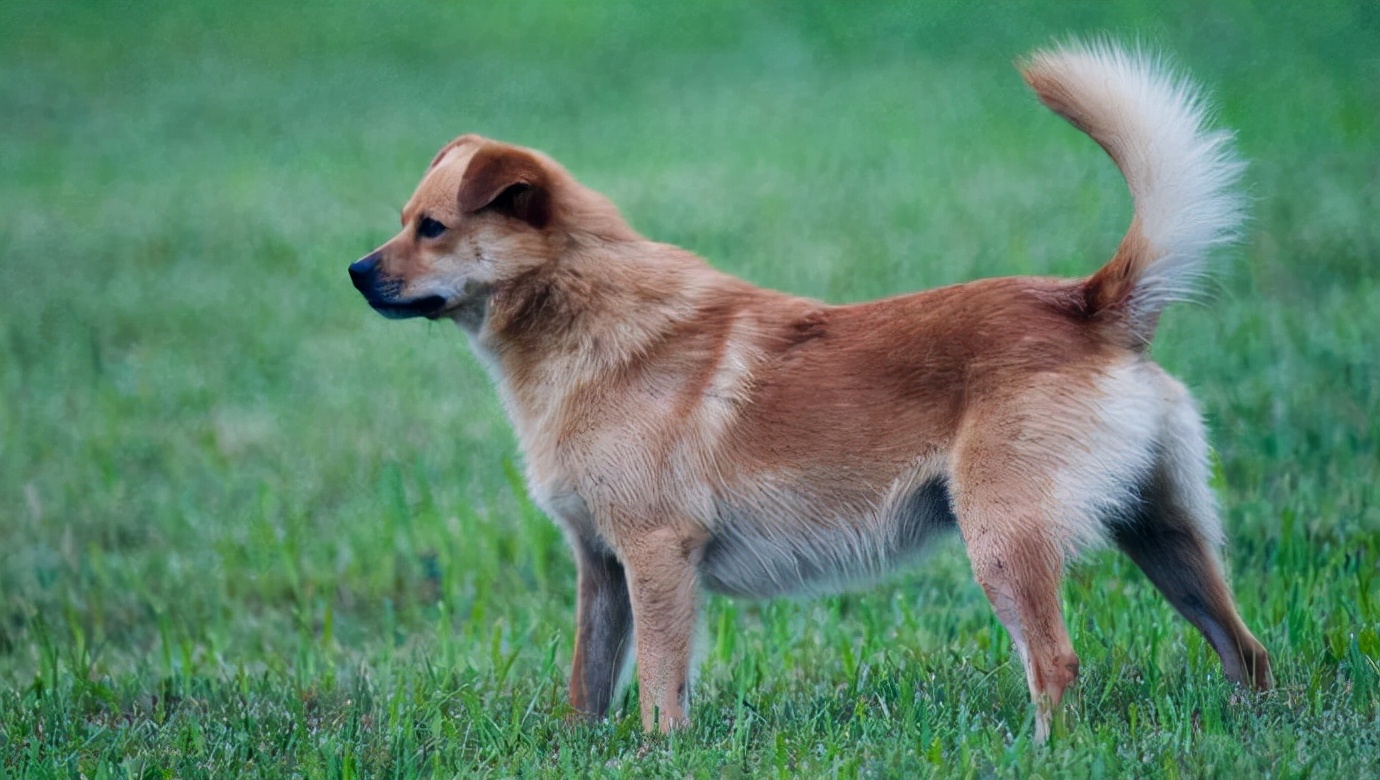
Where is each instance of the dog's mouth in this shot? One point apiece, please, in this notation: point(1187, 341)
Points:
point(381, 292)
point(430, 306)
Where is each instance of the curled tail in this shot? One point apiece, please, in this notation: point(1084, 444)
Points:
point(1182, 175)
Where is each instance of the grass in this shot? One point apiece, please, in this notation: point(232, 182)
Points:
point(249, 528)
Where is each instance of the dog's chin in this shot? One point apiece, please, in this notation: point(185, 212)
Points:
point(431, 307)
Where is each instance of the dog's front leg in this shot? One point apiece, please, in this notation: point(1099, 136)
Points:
point(661, 567)
point(603, 626)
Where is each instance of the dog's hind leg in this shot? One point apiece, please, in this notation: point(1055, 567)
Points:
point(1180, 562)
point(1020, 567)
point(1172, 535)
point(603, 631)
point(1017, 554)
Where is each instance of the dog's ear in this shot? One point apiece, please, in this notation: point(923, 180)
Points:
point(509, 181)
point(468, 138)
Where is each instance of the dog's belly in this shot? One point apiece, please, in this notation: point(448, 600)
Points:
point(769, 549)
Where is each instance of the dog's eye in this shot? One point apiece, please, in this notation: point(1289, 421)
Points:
point(430, 228)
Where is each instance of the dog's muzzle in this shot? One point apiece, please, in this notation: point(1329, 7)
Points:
point(382, 292)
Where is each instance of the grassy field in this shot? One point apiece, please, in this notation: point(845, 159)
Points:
point(250, 528)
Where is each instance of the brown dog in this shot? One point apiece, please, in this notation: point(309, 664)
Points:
point(688, 429)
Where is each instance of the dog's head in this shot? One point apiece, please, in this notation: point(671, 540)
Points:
point(484, 214)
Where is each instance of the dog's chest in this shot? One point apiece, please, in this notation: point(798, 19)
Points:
point(571, 513)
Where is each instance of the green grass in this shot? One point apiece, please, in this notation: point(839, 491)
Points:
point(247, 527)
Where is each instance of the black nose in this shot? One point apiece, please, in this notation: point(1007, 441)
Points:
point(362, 272)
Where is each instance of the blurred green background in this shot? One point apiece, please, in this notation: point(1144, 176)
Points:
point(249, 527)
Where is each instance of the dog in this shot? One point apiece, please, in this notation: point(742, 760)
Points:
point(688, 430)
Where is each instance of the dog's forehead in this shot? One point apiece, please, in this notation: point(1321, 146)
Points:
point(436, 193)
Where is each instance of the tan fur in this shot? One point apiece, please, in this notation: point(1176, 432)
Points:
point(687, 429)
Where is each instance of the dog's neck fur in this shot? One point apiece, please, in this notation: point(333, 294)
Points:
point(605, 305)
